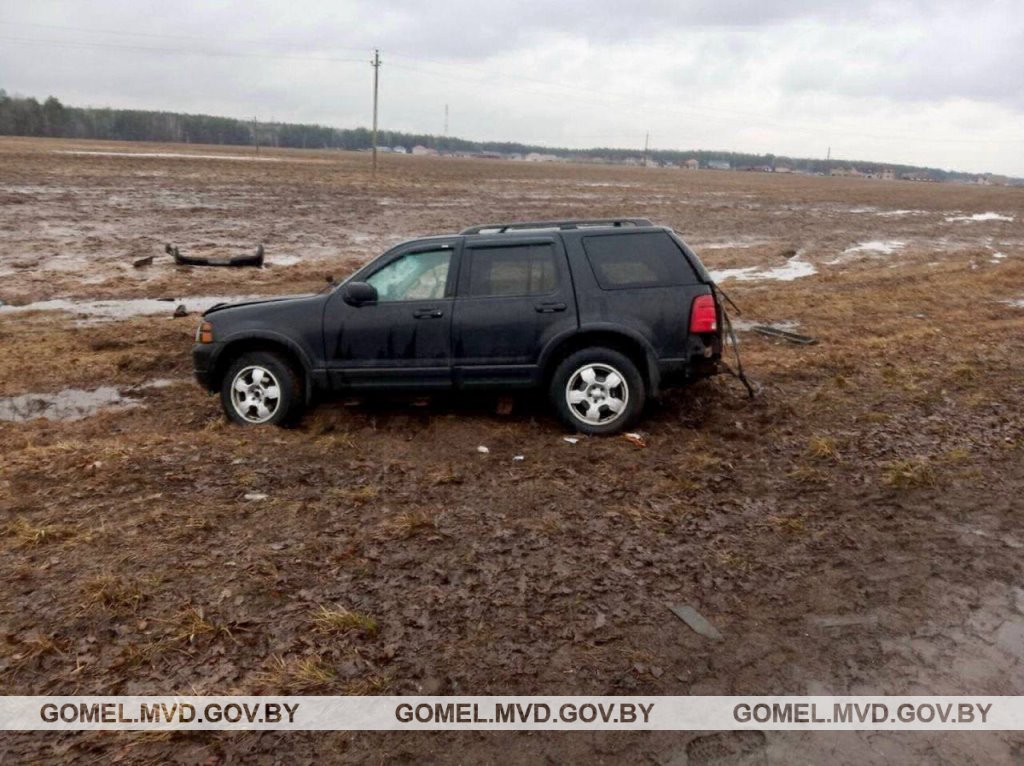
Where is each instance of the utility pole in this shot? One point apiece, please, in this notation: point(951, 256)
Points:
point(255, 136)
point(647, 142)
point(446, 120)
point(376, 77)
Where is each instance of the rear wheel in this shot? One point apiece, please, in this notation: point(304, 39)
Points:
point(597, 391)
point(261, 388)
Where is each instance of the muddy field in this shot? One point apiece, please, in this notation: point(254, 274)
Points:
point(856, 529)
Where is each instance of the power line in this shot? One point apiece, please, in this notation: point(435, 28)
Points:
point(177, 51)
point(123, 33)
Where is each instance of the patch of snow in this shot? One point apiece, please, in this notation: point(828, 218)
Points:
point(879, 247)
point(1017, 303)
point(794, 268)
point(283, 260)
point(897, 213)
point(980, 217)
point(69, 404)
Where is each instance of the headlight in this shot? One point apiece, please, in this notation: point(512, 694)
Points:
point(204, 333)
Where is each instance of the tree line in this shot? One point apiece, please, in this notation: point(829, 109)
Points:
point(21, 116)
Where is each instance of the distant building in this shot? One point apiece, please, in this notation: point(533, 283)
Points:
point(421, 150)
point(783, 169)
point(538, 157)
point(719, 165)
point(399, 150)
point(888, 175)
point(651, 163)
point(692, 164)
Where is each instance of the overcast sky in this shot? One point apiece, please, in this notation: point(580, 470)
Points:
point(918, 81)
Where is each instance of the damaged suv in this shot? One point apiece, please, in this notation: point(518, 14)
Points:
point(602, 314)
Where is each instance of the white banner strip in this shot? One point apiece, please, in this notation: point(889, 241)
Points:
point(540, 712)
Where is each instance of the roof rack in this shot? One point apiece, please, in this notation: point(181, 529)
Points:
point(502, 228)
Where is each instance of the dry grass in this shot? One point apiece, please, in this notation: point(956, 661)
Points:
point(407, 524)
point(113, 594)
point(338, 621)
point(907, 474)
point(26, 534)
point(823, 448)
point(296, 675)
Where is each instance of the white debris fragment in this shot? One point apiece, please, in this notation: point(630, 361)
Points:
point(570, 439)
point(255, 496)
point(482, 450)
point(519, 458)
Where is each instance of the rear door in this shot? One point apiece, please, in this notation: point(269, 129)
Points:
point(512, 298)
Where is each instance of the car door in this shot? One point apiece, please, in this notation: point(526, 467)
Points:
point(513, 297)
point(404, 339)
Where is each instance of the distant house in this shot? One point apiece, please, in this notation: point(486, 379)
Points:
point(399, 150)
point(651, 163)
point(538, 157)
point(719, 165)
point(839, 172)
point(783, 169)
point(888, 174)
point(692, 164)
point(421, 150)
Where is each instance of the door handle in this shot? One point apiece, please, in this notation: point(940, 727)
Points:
point(549, 308)
point(428, 313)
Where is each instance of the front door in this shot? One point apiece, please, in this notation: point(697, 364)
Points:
point(404, 339)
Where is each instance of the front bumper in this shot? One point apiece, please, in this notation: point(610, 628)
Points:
point(204, 363)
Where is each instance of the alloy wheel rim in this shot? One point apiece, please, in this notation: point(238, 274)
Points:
point(597, 394)
point(255, 394)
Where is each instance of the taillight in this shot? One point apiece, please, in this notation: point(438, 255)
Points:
point(704, 315)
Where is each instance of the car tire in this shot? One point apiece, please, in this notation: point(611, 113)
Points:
point(261, 388)
point(597, 391)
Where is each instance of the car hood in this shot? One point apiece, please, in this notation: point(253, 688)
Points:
point(256, 302)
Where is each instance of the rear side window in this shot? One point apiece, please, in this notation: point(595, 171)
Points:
point(512, 270)
point(650, 259)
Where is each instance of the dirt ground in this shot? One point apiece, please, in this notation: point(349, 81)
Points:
point(855, 529)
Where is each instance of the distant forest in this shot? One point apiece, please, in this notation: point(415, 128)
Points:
point(21, 116)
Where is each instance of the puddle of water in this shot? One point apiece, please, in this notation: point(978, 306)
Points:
point(69, 404)
point(105, 311)
point(898, 213)
point(76, 403)
point(794, 268)
point(171, 155)
point(980, 217)
point(746, 325)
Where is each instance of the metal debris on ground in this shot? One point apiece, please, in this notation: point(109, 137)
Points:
point(570, 439)
point(635, 438)
point(138, 263)
point(180, 311)
point(482, 450)
point(255, 259)
point(696, 621)
point(792, 337)
point(254, 496)
point(518, 458)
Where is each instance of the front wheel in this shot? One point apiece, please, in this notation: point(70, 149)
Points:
point(597, 391)
point(261, 388)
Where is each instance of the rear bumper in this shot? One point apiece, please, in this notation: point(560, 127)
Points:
point(204, 363)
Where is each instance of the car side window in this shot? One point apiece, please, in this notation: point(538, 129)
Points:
point(512, 270)
point(649, 259)
point(413, 277)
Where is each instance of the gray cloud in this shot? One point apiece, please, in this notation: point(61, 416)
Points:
point(930, 81)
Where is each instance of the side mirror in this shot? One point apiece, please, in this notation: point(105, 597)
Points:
point(359, 293)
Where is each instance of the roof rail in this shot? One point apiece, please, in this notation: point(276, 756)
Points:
point(502, 228)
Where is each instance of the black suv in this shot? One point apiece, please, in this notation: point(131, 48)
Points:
point(602, 314)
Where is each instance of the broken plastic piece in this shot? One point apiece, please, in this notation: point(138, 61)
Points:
point(256, 259)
